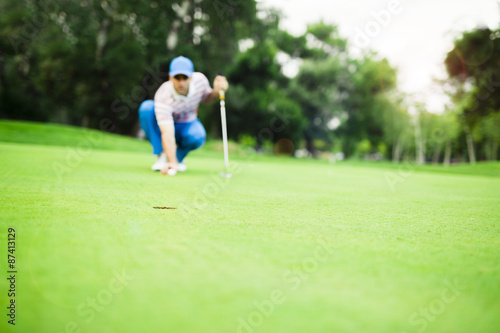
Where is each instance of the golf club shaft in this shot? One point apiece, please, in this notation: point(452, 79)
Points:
point(224, 127)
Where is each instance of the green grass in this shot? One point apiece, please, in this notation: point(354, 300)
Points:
point(284, 246)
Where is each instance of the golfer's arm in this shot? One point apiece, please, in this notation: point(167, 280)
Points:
point(220, 83)
point(168, 142)
point(212, 97)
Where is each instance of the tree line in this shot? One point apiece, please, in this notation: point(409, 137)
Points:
point(80, 62)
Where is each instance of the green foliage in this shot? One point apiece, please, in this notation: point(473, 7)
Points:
point(364, 147)
point(490, 127)
point(473, 69)
point(295, 46)
point(327, 40)
point(382, 148)
point(475, 58)
point(247, 141)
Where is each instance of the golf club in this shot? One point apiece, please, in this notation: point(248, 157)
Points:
point(225, 174)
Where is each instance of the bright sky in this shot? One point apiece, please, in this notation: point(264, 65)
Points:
point(415, 36)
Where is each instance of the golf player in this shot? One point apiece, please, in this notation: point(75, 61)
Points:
point(170, 122)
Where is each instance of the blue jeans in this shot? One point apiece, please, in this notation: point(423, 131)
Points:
point(188, 136)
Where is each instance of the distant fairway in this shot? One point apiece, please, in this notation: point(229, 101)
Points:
point(284, 246)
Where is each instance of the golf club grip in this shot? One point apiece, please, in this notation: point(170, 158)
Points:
point(222, 95)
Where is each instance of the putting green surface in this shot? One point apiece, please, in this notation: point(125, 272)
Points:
point(284, 246)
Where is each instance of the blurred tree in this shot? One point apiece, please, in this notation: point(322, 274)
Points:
point(322, 83)
point(334, 89)
point(82, 62)
point(443, 135)
point(320, 87)
point(473, 66)
point(17, 30)
point(432, 127)
point(372, 82)
point(259, 103)
point(396, 124)
point(488, 131)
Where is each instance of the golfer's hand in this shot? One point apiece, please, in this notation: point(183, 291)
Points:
point(167, 167)
point(220, 83)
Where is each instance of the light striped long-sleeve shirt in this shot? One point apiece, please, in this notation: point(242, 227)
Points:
point(172, 107)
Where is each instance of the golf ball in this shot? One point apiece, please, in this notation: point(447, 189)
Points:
point(171, 172)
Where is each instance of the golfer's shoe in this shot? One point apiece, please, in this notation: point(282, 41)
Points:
point(160, 163)
point(181, 167)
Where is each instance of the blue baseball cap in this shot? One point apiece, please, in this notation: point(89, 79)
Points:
point(181, 65)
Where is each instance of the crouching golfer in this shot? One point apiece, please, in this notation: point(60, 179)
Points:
point(170, 121)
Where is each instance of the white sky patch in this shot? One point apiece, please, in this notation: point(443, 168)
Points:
point(333, 123)
point(435, 102)
point(415, 40)
point(282, 58)
point(289, 66)
point(245, 44)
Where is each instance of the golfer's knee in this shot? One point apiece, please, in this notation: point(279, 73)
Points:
point(147, 108)
point(200, 142)
point(196, 140)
